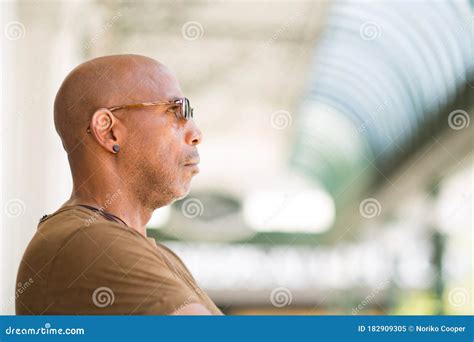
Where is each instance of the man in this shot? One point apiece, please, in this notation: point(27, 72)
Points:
point(132, 143)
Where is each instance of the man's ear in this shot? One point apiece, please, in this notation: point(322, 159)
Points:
point(105, 128)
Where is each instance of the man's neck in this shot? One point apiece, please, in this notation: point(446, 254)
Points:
point(116, 201)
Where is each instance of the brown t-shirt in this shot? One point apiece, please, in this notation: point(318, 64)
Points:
point(80, 263)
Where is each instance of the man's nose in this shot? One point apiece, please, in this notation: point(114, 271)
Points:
point(193, 133)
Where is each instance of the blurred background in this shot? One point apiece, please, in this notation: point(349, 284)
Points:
point(337, 172)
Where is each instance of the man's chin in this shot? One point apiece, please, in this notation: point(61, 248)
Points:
point(180, 194)
point(184, 193)
point(171, 196)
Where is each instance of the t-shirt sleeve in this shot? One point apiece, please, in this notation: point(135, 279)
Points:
point(109, 270)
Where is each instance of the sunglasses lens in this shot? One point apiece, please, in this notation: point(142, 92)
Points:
point(183, 109)
point(188, 111)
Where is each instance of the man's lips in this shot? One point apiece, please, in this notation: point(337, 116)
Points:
point(193, 164)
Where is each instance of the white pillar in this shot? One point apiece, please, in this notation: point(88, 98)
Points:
point(39, 46)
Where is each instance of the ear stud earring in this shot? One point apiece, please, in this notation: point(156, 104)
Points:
point(116, 148)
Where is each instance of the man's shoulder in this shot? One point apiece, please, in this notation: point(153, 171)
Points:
point(78, 257)
point(81, 247)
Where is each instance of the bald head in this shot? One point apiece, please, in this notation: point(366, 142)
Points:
point(106, 82)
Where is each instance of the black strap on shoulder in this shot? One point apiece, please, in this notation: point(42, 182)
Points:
point(104, 214)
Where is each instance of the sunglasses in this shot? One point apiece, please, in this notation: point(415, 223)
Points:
point(185, 111)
